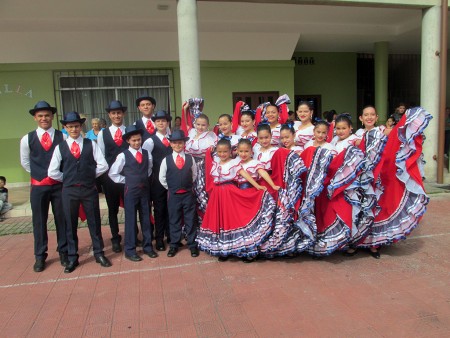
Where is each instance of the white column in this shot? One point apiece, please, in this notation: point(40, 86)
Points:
point(381, 79)
point(429, 85)
point(188, 49)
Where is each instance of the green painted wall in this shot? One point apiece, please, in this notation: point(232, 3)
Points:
point(22, 85)
point(221, 79)
point(333, 76)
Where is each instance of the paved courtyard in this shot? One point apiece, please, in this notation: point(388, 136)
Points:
point(404, 294)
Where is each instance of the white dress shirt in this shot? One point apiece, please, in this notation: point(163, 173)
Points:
point(25, 149)
point(112, 130)
point(149, 144)
point(54, 171)
point(163, 168)
point(119, 163)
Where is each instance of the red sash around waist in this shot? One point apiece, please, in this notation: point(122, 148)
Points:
point(45, 181)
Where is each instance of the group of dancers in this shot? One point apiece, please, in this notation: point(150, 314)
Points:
point(267, 187)
point(256, 187)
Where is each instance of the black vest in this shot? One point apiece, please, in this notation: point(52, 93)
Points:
point(111, 148)
point(78, 171)
point(136, 174)
point(159, 152)
point(39, 158)
point(146, 135)
point(179, 179)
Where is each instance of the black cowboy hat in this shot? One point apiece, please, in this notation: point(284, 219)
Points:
point(145, 97)
point(161, 114)
point(42, 105)
point(72, 116)
point(116, 105)
point(178, 135)
point(130, 131)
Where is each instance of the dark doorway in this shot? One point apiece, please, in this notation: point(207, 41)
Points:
point(254, 99)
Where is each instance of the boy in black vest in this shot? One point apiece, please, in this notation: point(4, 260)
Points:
point(177, 174)
point(159, 146)
point(77, 162)
point(111, 144)
point(133, 167)
point(36, 150)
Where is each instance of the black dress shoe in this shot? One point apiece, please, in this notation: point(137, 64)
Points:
point(116, 247)
point(103, 261)
point(133, 258)
point(194, 252)
point(375, 254)
point(172, 252)
point(151, 254)
point(160, 246)
point(39, 265)
point(64, 259)
point(71, 267)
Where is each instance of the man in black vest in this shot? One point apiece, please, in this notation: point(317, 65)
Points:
point(111, 144)
point(159, 146)
point(177, 173)
point(77, 162)
point(146, 106)
point(36, 150)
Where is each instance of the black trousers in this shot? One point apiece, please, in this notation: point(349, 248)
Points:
point(40, 198)
point(182, 205)
point(159, 198)
point(73, 197)
point(137, 200)
point(113, 193)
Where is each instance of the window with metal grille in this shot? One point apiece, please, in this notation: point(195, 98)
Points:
point(89, 92)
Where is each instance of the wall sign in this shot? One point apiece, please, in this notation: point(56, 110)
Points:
point(304, 60)
point(15, 89)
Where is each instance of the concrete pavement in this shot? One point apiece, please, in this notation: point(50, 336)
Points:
point(404, 294)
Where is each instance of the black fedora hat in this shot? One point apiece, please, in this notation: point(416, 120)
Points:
point(130, 131)
point(42, 105)
point(116, 105)
point(72, 116)
point(178, 135)
point(143, 98)
point(161, 114)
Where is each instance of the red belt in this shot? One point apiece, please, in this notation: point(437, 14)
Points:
point(45, 181)
point(181, 191)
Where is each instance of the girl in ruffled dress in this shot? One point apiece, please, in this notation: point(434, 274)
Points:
point(254, 168)
point(272, 117)
point(320, 133)
point(369, 119)
point(305, 130)
point(399, 174)
point(226, 132)
point(321, 129)
point(334, 212)
point(247, 124)
point(200, 141)
point(263, 152)
point(236, 220)
point(344, 136)
point(287, 138)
